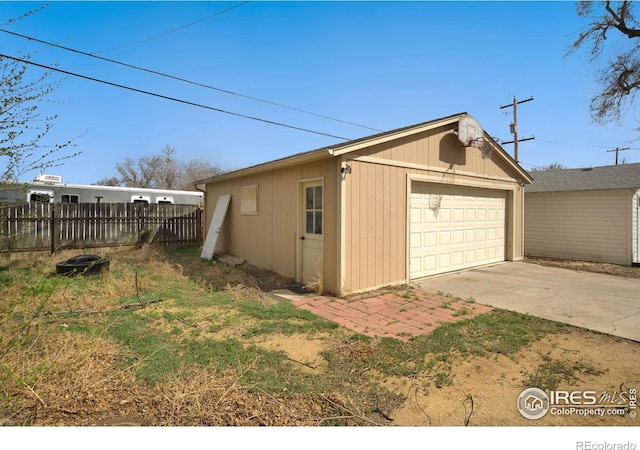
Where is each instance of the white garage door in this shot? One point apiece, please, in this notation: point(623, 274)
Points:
point(454, 228)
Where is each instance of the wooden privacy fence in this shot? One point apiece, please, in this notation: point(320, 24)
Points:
point(54, 226)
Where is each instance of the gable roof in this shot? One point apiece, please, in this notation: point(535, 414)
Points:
point(623, 176)
point(357, 144)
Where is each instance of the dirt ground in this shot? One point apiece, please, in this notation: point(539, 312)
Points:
point(484, 391)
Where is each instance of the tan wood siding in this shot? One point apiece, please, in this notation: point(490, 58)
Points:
point(365, 222)
point(269, 239)
point(440, 149)
point(376, 224)
point(375, 229)
point(583, 225)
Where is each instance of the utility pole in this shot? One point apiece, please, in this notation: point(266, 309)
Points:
point(618, 150)
point(514, 126)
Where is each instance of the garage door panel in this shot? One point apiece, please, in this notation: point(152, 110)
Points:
point(467, 230)
point(416, 215)
point(415, 240)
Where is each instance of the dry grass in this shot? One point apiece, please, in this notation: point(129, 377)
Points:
point(68, 369)
point(588, 266)
point(56, 375)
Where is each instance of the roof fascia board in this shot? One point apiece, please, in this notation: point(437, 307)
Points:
point(311, 156)
point(347, 148)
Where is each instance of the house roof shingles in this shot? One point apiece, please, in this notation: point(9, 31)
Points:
point(623, 176)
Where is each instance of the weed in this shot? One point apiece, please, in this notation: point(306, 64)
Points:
point(443, 379)
point(445, 294)
point(549, 374)
point(464, 311)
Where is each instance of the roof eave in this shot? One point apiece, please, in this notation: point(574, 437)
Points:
point(390, 136)
point(301, 158)
point(359, 144)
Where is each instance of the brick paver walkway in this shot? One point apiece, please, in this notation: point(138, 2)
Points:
point(401, 314)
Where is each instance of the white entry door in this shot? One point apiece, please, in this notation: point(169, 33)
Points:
point(312, 221)
point(454, 227)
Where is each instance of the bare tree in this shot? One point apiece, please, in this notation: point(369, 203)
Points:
point(23, 131)
point(620, 77)
point(160, 171)
point(552, 166)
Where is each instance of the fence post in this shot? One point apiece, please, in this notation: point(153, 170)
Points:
point(53, 228)
point(199, 225)
point(140, 207)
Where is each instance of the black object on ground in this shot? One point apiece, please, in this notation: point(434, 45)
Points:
point(82, 265)
point(299, 289)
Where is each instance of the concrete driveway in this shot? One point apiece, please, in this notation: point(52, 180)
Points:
point(598, 302)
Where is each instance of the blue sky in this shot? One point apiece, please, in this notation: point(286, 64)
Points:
point(383, 65)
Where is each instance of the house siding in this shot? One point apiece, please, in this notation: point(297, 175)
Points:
point(366, 210)
point(581, 225)
point(377, 195)
point(269, 239)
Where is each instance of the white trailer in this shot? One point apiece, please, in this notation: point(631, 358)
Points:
point(51, 189)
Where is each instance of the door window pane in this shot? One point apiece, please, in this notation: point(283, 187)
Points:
point(309, 198)
point(318, 225)
point(309, 226)
point(317, 204)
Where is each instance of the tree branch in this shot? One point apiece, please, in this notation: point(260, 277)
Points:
point(620, 19)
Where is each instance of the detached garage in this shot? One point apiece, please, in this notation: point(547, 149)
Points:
point(426, 199)
point(586, 214)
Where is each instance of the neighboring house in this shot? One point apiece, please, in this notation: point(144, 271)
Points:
point(586, 214)
point(376, 211)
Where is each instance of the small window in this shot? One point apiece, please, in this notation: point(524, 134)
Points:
point(69, 198)
point(249, 200)
point(145, 199)
point(164, 200)
point(41, 197)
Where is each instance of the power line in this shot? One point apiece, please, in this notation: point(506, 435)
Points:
point(186, 102)
point(529, 164)
point(174, 30)
point(581, 145)
point(154, 72)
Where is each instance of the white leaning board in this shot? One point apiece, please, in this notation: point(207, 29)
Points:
point(215, 227)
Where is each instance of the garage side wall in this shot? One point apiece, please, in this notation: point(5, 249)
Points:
point(269, 238)
point(376, 195)
point(581, 225)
